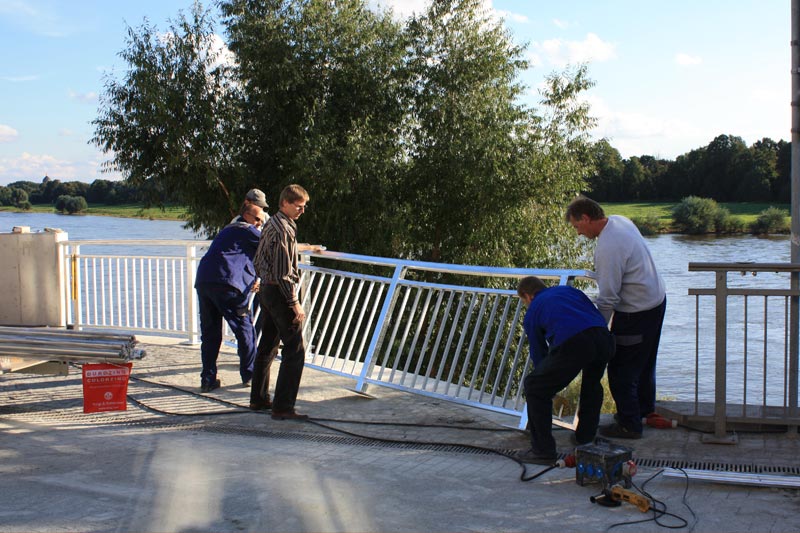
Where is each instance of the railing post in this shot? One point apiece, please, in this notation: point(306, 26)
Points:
point(794, 344)
point(377, 335)
point(191, 256)
point(75, 287)
point(721, 363)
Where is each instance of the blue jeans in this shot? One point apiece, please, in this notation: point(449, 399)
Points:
point(218, 301)
point(632, 371)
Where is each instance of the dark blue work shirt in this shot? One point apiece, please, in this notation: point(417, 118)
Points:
point(229, 259)
point(556, 314)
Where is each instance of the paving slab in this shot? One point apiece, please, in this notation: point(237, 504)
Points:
point(177, 460)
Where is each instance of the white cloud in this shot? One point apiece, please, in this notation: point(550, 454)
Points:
point(686, 60)
point(8, 134)
point(35, 166)
point(561, 24)
point(634, 133)
point(220, 48)
point(400, 8)
point(18, 79)
point(405, 8)
point(64, 132)
point(19, 8)
point(38, 21)
point(86, 98)
point(516, 17)
point(560, 52)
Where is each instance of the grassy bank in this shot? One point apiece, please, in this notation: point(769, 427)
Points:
point(747, 212)
point(124, 211)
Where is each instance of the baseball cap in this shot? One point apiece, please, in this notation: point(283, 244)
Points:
point(256, 197)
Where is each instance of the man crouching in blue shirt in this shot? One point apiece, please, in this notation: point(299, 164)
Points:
point(567, 335)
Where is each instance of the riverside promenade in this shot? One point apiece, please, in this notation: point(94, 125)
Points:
point(178, 461)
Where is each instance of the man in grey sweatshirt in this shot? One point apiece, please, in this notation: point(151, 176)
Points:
point(632, 297)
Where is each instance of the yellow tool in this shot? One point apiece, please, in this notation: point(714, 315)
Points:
point(624, 495)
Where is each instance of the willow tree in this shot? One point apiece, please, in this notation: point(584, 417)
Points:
point(410, 136)
point(172, 122)
point(324, 84)
point(489, 177)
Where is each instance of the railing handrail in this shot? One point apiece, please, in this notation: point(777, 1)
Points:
point(454, 269)
point(138, 242)
point(743, 266)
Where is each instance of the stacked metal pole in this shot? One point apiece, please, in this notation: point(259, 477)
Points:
point(54, 344)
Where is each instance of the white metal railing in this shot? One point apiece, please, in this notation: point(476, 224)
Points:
point(404, 324)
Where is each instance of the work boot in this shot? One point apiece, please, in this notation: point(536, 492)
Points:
point(208, 386)
point(532, 455)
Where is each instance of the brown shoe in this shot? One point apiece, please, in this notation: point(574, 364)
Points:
point(288, 415)
point(261, 406)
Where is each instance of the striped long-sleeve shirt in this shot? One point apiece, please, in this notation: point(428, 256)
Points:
point(276, 256)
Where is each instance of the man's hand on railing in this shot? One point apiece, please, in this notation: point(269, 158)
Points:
point(256, 285)
point(305, 247)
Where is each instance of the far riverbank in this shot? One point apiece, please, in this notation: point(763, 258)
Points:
point(662, 211)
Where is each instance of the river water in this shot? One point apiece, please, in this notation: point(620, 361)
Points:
point(673, 253)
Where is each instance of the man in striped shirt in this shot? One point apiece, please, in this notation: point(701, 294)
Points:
point(276, 264)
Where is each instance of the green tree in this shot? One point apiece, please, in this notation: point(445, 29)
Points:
point(5, 195)
point(488, 178)
point(633, 179)
point(172, 123)
point(604, 183)
point(723, 167)
point(410, 138)
point(18, 196)
point(325, 88)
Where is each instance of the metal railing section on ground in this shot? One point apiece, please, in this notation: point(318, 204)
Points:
point(430, 328)
point(448, 331)
point(755, 355)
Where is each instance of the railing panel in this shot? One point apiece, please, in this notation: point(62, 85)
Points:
point(751, 378)
point(456, 341)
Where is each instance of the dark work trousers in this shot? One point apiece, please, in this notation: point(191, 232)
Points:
point(277, 327)
point(587, 351)
point(632, 371)
point(218, 301)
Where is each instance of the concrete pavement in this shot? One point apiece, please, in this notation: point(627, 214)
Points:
point(179, 461)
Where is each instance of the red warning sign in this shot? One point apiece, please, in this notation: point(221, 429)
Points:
point(105, 387)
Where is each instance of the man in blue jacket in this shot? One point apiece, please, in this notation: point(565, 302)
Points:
point(225, 278)
point(567, 335)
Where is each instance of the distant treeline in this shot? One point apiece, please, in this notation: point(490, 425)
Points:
point(726, 170)
point(24, 193)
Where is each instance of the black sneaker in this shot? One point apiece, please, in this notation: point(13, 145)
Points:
point(532, 455)
point(615, 431)
point(208, 386)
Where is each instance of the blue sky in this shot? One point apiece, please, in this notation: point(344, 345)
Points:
point(670, 76)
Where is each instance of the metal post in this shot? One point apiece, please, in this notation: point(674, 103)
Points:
point(720, 435)
point(191, 270)
point(794, 307)
point(76, 287)
point(380, 326)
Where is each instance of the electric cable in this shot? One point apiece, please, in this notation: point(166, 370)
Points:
point(241, 410)
point(659, 508)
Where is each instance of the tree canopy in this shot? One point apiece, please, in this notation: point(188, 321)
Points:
point(410, 136)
